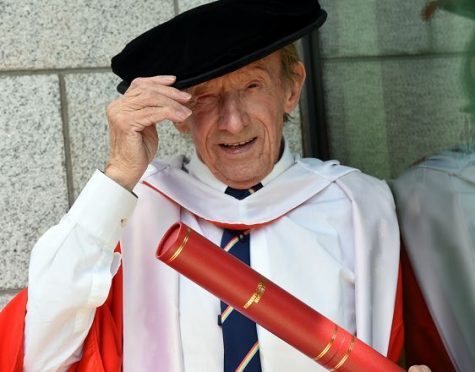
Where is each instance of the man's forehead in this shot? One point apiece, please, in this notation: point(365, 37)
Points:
point(264, 66)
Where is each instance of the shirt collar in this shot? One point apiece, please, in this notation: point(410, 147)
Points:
point(199, 170)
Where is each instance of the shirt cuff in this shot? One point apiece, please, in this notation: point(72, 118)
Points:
point(103, 208)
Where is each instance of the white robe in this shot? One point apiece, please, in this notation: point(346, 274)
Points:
point(300, 218)
point(436, 207)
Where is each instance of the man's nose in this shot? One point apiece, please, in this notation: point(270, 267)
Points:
point(232, 115)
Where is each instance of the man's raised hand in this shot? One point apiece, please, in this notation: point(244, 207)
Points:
point(132, 118)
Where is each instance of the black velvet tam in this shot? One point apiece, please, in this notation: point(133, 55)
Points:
point(214, 39)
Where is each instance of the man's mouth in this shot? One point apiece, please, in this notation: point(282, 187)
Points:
point(238, 146)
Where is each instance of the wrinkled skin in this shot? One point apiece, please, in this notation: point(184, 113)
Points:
point(235, 121)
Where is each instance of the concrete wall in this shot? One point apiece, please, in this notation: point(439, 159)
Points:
point(55, 83)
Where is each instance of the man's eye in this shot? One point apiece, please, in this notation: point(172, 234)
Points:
point(253, 86)
point(203, 101)
point(206, 98)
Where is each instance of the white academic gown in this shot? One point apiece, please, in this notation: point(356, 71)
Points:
point(297, 222)
point(436, 207)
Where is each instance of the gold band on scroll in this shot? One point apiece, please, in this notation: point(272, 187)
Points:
point(328, 347)
point(257, 295)
point(346, 356)
point(182, 245)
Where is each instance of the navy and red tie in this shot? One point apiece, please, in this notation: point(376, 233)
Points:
point(241, 346)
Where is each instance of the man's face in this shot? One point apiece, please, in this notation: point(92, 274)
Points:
point(237, 120)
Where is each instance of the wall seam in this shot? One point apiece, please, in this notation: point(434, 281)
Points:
point(66, 139)
point(54, 71)
point(379, 58)
point(10, 291)
point(176, 7)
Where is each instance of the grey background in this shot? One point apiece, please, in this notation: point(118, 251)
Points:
point(392, 89)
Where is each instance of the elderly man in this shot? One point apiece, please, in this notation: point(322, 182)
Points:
point(326, 233)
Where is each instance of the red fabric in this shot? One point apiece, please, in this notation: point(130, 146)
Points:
point(396, 340)
point(102, 350)
point(423, 344)
point(103, 346)
point(267, 304)
point(12, 323)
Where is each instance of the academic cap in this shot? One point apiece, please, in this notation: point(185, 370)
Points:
point(214, 39)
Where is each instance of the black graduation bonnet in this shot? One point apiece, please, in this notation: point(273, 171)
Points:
point(214, 39)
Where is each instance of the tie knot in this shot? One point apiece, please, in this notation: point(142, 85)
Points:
point(242, 193)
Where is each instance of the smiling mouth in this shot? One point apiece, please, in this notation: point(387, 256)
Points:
point(238, 145)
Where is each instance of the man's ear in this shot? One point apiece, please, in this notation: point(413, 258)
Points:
point(294, 87)
point(182, 127)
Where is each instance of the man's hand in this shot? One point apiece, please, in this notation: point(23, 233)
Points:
point(132, 131)
point(419, 369)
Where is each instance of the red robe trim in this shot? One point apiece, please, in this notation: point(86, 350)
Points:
point(396, 339)
point(423, 344)
point(103, 345)
point(102, 350)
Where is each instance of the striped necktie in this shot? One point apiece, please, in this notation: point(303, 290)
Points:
point(241, 347)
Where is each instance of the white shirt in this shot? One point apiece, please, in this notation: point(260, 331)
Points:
point(73, 263)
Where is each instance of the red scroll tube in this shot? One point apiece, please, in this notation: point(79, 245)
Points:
point(267, 304)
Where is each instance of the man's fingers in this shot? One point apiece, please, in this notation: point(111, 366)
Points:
point(152, 115)
point(165, 107)
point(157, 107)
point(157, 84)
point(138, 120)
point(157, 90)
point(157, 96)
point(159, 79)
